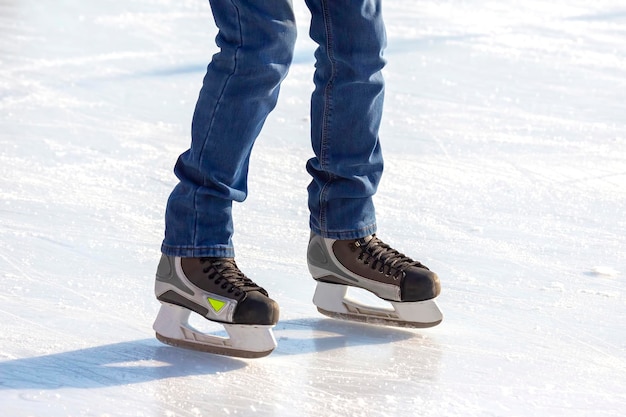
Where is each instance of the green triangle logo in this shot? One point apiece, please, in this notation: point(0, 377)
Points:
point(216, 304)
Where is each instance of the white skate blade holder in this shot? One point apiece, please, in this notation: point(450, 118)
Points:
point(246, 341)
point(332, 300)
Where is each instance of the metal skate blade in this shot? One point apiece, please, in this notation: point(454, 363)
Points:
point(217, 350)
point(332, 300)
point(379, 320)
point(244, 341)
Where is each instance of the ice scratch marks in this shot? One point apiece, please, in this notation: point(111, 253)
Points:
point(107, 365)
point(606, 283)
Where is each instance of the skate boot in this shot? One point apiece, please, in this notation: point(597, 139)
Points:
point(217, 290)
point(368, 263)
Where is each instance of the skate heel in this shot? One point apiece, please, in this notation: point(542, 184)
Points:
point(332, 300)
point(246, 341)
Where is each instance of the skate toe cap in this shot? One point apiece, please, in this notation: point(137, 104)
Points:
point(256, 308)
point(420, 284)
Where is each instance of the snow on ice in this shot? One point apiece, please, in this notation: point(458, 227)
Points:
point(505, 143)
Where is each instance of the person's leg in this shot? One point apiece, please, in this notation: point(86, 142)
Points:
point(197, 272)
point(346, 109)
point(256, 40)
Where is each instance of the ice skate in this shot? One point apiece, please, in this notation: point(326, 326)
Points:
point(407, 285)
point(217, 290)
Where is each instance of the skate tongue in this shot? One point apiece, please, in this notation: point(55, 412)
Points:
point(364, 240)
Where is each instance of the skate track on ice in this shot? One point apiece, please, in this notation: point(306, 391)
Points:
point(505, 144)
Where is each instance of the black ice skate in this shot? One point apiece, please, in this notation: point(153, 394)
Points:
point(368, 263)
point(216, 289)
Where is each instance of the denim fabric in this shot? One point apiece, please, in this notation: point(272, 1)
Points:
point(346, 108)
point(256, 41)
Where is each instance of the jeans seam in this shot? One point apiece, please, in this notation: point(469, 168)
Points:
point(329, 85)
point(328, 90)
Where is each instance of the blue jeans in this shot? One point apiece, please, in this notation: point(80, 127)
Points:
point(256, 41)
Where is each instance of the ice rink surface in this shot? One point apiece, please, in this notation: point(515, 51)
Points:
point(505, 143)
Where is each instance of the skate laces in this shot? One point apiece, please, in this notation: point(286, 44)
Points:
point(381, 256)
point(226, 273)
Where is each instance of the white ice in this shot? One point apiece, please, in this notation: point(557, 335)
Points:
point(505, 144)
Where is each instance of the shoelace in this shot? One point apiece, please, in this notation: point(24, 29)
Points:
point(226, 272)
point(384, 258)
